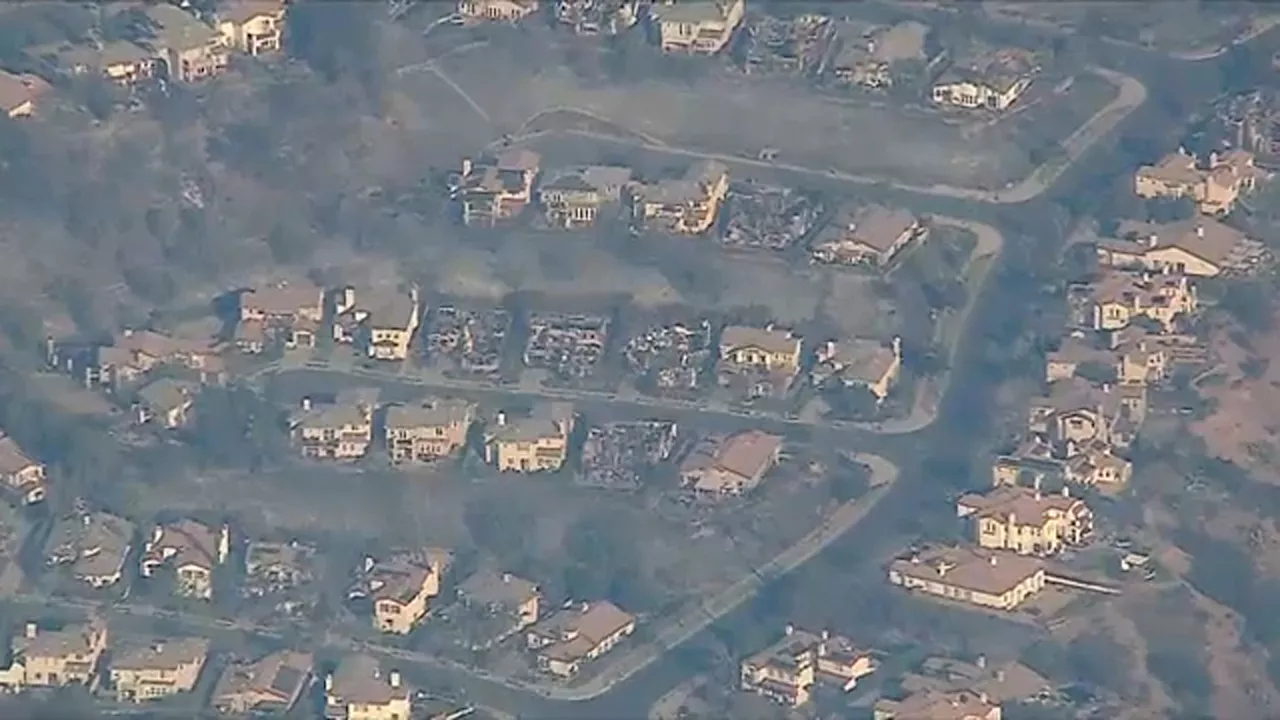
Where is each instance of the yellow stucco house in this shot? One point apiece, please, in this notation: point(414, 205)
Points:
point(768, 349)
point(159, 669)
point(994, 579)
point(577, 635)
point(253, 27)
point(23, 477)
point(56, 658)
point(341, 431)
point(539, 442)
point(402, 587)
point(1199, 247)
point(1120, 298)
point(427, 432)
point(361, 689)
point(1214, 190)
point(788, 670)
point(496, 10)
point(702, 27)
point(1026, 520)
point(686, 206)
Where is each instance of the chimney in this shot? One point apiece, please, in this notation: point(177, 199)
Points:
point(1035, 483)
point(394, 679)
point(826, 635)
point(1152, 240)
point(1038, 498)
point(1000, 676)
point(1200, 231)
point(466, 166)
point(982, 661)
point(501, 419)
point(994, 561)
point(158, 647)
point(32, 630)
point(897, 346)
point(306, 403)
point(506, 577)
point(789, 629)
point(328, 683)
point(1066, 491)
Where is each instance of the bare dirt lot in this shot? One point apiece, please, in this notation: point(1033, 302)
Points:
point(1245, 386)
point(845, 135)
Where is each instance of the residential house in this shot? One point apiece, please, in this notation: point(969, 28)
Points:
point(192, 549)
point(957, 705)
point(1119, 298)
point(1076, 354)
point(167, 402)
point(873, 235)
point(770, 350)
point(429, 431)
point(1200, 247)
point(596, 17)
point(1075, 411)
point(341, 431)
point(134, 353)
point(700, 27)
point(1033, 462)
point(788, 670)
point(531, 444)
point(1214, 190)
point(516, 601)
point(684, 206)
point(867, 57)
point(731, 466)
point(253, 27)
point(1002, 683)
point(23, 477)
point(271, 567)
point(294, 309)
point(402, 586)
point(1025, 520)
point(994, 82)
point(271, 684)
point(158, 669)
point(577, 635)
point(93, 546)
point(995, 579)
point(381, 324)
point(55, 658)
point(189, 49)
point(360, 689)
point(1096, 464)
point(496, 10)
point(19, 94)
point(863, 363)
point(497, 187)
point(574, 198)
point(121, 62)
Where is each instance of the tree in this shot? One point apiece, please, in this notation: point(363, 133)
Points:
point(234, 426)
point(499, 528)
point(853, 402)
point(603, 562)
point(1168, 210)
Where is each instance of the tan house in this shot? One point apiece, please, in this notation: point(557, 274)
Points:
point(787, 671)
point(996, 579)
point(23, 477)
point(934, 705)
point(166, 402)
point(577, 635)
point(858, 362)
point(497, 188)
point(1026, 520)
point(381, 324)
point(19, 94)
point(574, 198)
point(496, 10)
point(159, 669)
point(134, 353)
point(686, 206)
point(539, 442)
point(1214, 190)
point(700, 27)
point(402, 587)
point(427, 432)
point(1096, 464)
point(189, 49)
point(1120, 298)
point(1200, 247)
point(731, 466)
point(1031, 463)
point(867, 56)
point(253, 27)
point(360, 689)
point(123, 63)
point(192, 549)
point(766, 349)
point(55, 658)
point(271, 684)
point(93, 546)
point(993, 82)
point(502, 595)
point(1074, 412)
point(294, 309)
point(873, 235)
point(341, 431)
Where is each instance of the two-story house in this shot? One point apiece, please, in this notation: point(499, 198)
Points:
point(134, 353)
point(701, 27)
point(192, 549)
point(271, 684)
point(1077, 412)
point(770, 350)
point(494, 188)
point(577, 635)
point(1120, 298)
point(727, 467)
point(995, 579)
point(381, 323)
point(685, 206)
point(158, 669)
point(361, 689)
point(20, 93)
point(402, 586)
point(1215, 190)
point(188, 49)
point(121, 62)
point(873, 235)
point(574, 198)
point(539, 442)
point(23, 478)
point(341, 431)
point(515, 601)
point(938, 705)
point(476, 11)
point(857, 362)
point(1025, 520)
point(167, 402)
point(1199, 247)
point(292, 309)
point(252, 27)
point(429, 431)
point(93, 546)
point(1032, 462)
point(994, 81)
point(788, 670)
point(56, 658)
